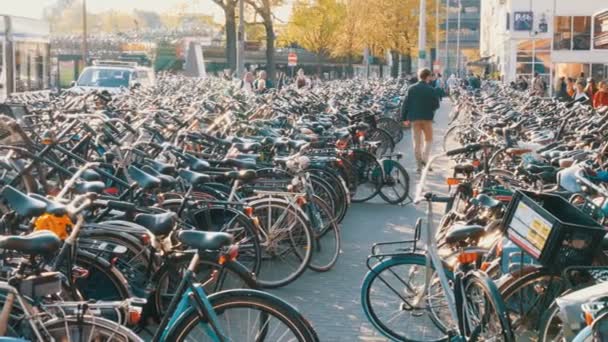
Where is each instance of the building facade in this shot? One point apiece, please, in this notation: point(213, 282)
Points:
point(556, 38)
point(469, 34)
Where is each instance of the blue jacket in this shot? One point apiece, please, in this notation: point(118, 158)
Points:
point(421, 102)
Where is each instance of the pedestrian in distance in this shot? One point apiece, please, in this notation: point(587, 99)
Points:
point(301, 80)
point(561, 89)
point(419, 108)
point(579, 94)
point(591, 88)
point(570, 86)
point(246, 84)
point(538, 86)
point(600, 99)
point(262, 84)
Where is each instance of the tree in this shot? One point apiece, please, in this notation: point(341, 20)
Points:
point(264, 9)
point(229, 7)
point(348, 43)
point(314, 25)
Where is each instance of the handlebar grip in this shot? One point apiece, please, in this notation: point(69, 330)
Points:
point(466, 149)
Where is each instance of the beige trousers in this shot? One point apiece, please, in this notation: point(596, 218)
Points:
point(422, 149)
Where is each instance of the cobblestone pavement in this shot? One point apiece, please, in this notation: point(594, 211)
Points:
point(331, 300)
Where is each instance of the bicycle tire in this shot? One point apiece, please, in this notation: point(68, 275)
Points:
point(266, 303)
point(417, 261)
point(101, 275)
point(326, 237)
point(533, 282)
point(272, 206)
point(492, 299)
point(242, 274)
point(368, 186)
point(392, 126)
point(112, 331)
point(387, 144)
point(448, 138)
point(402, 178)
point(548, 321)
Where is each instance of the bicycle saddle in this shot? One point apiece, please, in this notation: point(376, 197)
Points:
point(158, 224)
point(143, 179)
point(297, 144)
point(537, 169)
point(166, 181)
point(93, 186)
point(463, 169)
point(462, 232)
point(204, 240)
point(23, 204)
point(238, 163)
point(196, 164)
point(517, 151)
point(88, 175)
point(247, 147)
point(243, 175)
point(160, 166)
point(42, 242)
point(486, 201)
point(194, 178)
point(341, 134)
point(52, 207)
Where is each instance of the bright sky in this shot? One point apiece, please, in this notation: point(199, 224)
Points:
point(33, 8)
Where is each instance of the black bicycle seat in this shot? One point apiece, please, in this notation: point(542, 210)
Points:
point(161, 167)
point(462, 232)
point(247, 147)
point(86, 187)
point(464, 169)
point(204, 240)
point(243, 175)
point(166, 181)
point(37, 243)
point(195, 163)
point(486, 201)
point(194, 178)
point(238, 163)
point(537, 169)
point(143, 179)
point(52, 207)
point(23, 204)
point(158, 224)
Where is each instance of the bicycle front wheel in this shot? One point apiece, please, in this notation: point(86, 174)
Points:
point(246, 315)
point(326, 233)
point(388, 293)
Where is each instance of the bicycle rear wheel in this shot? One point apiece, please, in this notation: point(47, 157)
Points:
point(88, 328)
point(368, 181)
point(246, 315)
point(286, 241)
point(326, 243)
point(396, 182)
point(387, 296)
point(485, 312)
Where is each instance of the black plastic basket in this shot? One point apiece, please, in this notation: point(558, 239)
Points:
point(552, 230)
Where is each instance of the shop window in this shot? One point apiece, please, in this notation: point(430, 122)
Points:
point(600, 35)
point(581, 33)
point(572, 33)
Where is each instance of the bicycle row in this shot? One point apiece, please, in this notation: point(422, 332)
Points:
point(166, 210)
point(519, 253)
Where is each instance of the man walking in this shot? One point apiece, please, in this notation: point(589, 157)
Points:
point(419, 108)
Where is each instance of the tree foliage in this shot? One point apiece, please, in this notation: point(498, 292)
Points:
point(346, 27)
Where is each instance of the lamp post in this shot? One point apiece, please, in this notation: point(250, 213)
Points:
point(84, 33)
point(458, 39)
point(437, 32)
point(447, 34)
point(240, 46)
point(422, 36)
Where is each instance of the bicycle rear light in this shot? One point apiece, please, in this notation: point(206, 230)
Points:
point(467, 258)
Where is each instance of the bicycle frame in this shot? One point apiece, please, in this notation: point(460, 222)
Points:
point(432, 257)
point(189, 294)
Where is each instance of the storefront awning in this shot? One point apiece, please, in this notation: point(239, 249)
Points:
point(482, 62)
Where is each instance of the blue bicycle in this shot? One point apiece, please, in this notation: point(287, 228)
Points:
point(234, 315)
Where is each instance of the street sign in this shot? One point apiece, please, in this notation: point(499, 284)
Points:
point(292, 59)
point(436, 66)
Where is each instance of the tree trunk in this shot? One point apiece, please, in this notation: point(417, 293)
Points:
point(270, 63)
point(349, 68)
point(407, 63)
point(319, 65)
point(395, 64)
point(230, 35)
